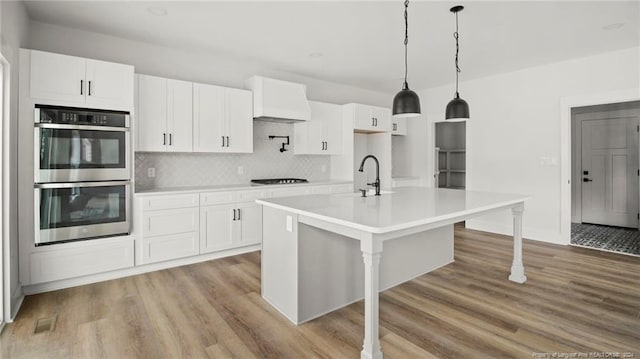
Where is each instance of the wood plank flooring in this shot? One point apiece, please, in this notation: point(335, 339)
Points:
point(575, 300)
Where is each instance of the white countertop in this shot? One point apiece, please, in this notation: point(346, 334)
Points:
point(227, 187)
point(404, 208)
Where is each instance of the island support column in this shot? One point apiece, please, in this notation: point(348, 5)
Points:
point(517, 268)
point(371, 248)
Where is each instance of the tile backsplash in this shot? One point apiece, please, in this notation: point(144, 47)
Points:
point(201, 169)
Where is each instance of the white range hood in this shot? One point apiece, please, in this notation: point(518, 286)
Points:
point(277, 100)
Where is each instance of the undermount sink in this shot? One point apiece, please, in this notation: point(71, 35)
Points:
point(370, 193)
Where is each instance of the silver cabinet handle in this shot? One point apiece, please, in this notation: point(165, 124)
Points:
point(89, 88)
point(81, 87)
point(169, 139)
point(227, 141)
point(238, 214)
point(234, 214)
point(164, 139)
point(222, 141)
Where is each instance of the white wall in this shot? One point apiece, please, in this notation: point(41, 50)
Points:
point(14, 33)
point(190, 66)
point(515, 123)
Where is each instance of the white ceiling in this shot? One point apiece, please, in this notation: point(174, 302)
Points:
point(361, 42)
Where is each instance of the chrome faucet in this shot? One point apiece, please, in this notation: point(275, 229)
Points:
point(375, 183)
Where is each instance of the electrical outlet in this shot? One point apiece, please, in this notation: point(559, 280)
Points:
point(151, 172)
point(240, 170)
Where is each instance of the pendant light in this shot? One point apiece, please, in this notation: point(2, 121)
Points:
point(457, 109)
point(406, 102)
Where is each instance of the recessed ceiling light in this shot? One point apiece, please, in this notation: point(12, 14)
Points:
point(613, 26)
point(157, 11)
point(315, 54)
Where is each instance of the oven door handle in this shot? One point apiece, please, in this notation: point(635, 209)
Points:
point(82, 184)
point(59, 126)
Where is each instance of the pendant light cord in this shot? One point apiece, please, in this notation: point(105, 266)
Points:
point(456, 36)
point(406, 39)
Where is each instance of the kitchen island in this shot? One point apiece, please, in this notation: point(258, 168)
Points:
point(312, 244)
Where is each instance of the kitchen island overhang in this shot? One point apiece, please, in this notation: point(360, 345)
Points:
point(314, 247)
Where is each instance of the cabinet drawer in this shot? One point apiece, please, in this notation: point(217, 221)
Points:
point(286, 192)
point(341, 188)
point(249, 196)
point(77, 262)
point(170, 201)
point(207, 199)
point(162, 248)
point(173, 221)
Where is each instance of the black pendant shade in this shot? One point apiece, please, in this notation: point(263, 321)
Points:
point(406, 103)
point(457, 109)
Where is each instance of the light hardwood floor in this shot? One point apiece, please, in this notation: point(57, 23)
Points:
point(575, 300)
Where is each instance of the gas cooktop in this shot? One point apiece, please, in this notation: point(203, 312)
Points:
point(278, 181)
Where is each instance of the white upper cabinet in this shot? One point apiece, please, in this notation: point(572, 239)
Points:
point(109, 85)
point(208, 118)
point(239, 120)
point(76, 81)
point(322, 134)
point(164, 114)
point(223, 119)
point(370, 118)
point(180, 116)
point(399, 126)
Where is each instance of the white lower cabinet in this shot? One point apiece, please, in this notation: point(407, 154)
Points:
point(217, 227)
point(230, 226)
point(180, 225)
point(169, 226)
point(250, 223)
point(170, 234)
point(90, 258)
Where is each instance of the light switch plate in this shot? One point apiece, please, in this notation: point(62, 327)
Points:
point(151, 172)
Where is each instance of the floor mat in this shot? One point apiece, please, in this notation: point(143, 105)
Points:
point(616, 239)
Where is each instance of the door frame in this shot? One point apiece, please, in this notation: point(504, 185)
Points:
point(5, 259)
point(576, 145)
point(566, 104)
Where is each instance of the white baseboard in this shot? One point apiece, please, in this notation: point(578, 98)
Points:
point(73, 282)
point(528, 233)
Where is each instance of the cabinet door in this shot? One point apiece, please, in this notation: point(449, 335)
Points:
point(57, 77)
point(109, 85)
point(308, 138)
point(382, 119)
point(399, 126)
point(363, 118)
point(217, 227)
point(332, 130)
point(179, 116)
point(208, 118)
point(239, 120)
point(151, 113)
point(250, 228)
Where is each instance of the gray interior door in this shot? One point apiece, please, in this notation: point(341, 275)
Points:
point(610, 171)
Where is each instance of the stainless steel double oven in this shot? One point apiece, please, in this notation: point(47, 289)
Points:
point(82, 174)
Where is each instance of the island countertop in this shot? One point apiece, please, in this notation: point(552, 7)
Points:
point(403, 208)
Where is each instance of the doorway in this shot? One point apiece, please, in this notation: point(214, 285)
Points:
point(605, 210)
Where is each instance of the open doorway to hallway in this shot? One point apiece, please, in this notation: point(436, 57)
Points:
point(605, 208)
